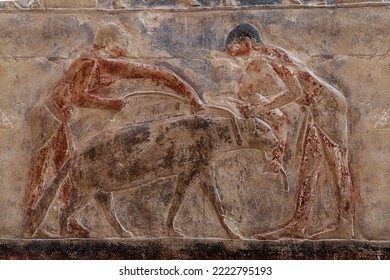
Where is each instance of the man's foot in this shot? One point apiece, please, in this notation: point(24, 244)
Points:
point(335, 231)
point(289, 231)
point(44, 234)
point(76, 230)
point(175, 233)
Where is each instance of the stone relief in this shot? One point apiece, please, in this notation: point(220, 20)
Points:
point(5, 120)
point(205, 3)
point(125, 4)
point(140, 125)
point(129, 4)
point(111, 4)
point(21, 4)
point(186, 148)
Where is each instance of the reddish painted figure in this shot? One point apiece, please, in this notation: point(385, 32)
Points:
point(273, 79)
point(83, 84)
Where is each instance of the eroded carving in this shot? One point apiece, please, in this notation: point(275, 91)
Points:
point(21, 4)
point(111, 4)
point(5, 120)
point(119, 4)
point(137, 4)
point(229, 3)
point(28, 4)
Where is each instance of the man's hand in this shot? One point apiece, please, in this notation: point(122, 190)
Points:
point(116, 104)
point(282, 71)
point(197, 106)
point(195, 101)
point(276, 54)
point(246, 109)
point(254, 107)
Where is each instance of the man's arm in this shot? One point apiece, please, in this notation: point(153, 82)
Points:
point(89, 100)
point(265, 87)
point(131, 70)
point(293, 91)
point(86, 96)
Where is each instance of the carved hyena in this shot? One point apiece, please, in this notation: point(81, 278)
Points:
point(136, 155)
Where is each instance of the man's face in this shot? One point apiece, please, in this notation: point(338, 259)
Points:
point(238, 47)
point(118, 48)
point(118, 51)
point(243, 47)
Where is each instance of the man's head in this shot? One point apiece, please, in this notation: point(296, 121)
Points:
point(113, 39)
point(242, 39)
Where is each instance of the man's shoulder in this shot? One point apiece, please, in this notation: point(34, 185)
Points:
point(258, 62)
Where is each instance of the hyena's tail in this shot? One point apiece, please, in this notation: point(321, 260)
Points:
point(36, 215)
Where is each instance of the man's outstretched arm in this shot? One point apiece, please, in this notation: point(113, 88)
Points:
point(131, 70)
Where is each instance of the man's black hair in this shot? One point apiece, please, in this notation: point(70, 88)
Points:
point(242, 31)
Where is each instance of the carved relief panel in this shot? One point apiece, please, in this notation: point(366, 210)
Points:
point(233, 123)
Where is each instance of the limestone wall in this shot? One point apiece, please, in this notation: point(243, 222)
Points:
point(342, 193)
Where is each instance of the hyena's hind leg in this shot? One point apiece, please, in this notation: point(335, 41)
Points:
point(105, 203)
point(208, 184)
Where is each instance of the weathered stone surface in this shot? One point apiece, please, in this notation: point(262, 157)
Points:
point(154, 122)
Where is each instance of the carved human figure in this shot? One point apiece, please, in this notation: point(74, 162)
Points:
point(83, 84)
point(255, 89)
point(273, 79)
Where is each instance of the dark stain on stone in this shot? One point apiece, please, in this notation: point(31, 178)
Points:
point(195, 124)
point(169, 159)
point(128, 138)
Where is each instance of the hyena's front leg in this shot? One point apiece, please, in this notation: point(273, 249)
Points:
point(183, 182)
